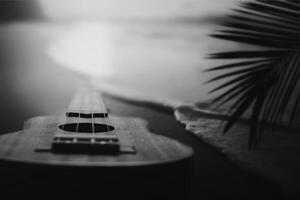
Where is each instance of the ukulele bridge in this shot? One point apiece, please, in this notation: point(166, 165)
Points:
point(92, 144)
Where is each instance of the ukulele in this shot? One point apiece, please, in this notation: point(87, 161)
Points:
point(87, 136)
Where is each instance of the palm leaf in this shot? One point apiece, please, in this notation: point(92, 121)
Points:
point(265, 81)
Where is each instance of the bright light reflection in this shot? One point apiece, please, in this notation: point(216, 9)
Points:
point(122, 9)
point(87, 49)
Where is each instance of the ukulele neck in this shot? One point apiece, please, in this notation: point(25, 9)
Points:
point(87, 103)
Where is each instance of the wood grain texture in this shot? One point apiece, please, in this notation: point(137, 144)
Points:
point(151, 149)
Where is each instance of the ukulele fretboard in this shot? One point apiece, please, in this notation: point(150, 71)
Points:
point(87, 104)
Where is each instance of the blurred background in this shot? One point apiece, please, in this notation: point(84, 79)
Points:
point(153, 48)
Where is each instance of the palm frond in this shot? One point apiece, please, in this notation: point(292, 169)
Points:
point(266, 80)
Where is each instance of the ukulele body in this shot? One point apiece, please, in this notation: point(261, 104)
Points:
point(32, 146)
point(147, 166)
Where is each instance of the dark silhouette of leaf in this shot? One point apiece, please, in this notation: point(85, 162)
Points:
point(248, 54)
point(266, 80)
point(234, 65)
point(269, 41)
point(249, 71)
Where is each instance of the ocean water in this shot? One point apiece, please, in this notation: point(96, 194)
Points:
point(155, 60)
point(154, 49)
point(44, 62)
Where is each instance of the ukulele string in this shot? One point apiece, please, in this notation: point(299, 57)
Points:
point(79, 116)
point(91, 101)
point(104, 116)
point(106, 121)
point(76, 100)
point(68, 113)
point(93, 124)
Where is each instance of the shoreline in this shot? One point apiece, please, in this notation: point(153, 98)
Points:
point(206, 126)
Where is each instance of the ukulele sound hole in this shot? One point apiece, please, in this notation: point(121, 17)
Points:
point(86, 127)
